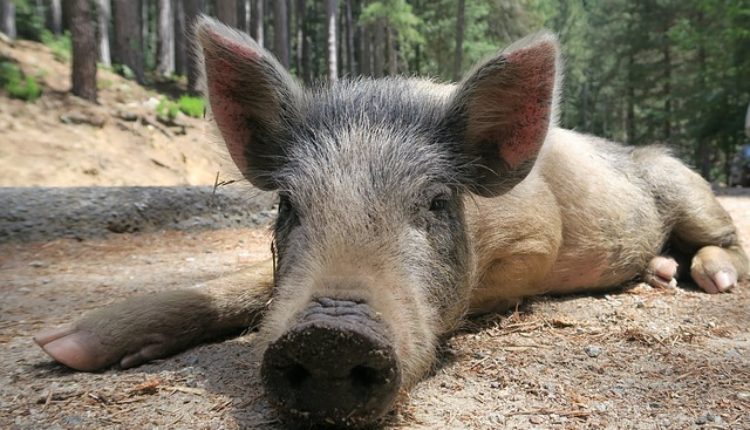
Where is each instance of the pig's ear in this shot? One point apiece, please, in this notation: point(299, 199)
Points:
point(252, 99)
point(501, 112)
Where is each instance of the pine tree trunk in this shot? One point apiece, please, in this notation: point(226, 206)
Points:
point(55, 17)
point(165, 51)
point(128, 36)
point(365, 57)
point(226, 11)
point(459, 53)
point(351, 68)
point(378, 50)
point(332, 57)
point(192, 9)
point(301, 40)
point(180, 53)
point(83, 35)
point(243, 15)
point(392, 50)
point(104, 12)
point(8, 18)
point(281, 32)
point(256, 22)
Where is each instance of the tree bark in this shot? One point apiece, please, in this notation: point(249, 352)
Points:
point(55, 17)
point(165, 63)
point(104, 12)
point(83, 33)
point(281, 32)
point(243, 15)
point(392, 48)
point(365, 57)
point(8, 18)
point(128, 36)
point(226, 11)
point(378, 50)
point(459, 53)
point(332, 57)
point(180, 53)
point(299, 37)
point(256, 22)
point(192, 9)
point(350, 38)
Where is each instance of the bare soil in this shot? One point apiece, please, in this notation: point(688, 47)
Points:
point(61, 140)
point(635, 358)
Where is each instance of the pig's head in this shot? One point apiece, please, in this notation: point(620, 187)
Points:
point(374, 258)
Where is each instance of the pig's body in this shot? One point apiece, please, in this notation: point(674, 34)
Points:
point(403, 205)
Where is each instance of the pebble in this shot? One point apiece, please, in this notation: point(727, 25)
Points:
point(536, 420)
point(743, 395)
point(592, 351)
point(495, 385)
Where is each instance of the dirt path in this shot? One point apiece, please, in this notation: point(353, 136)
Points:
point(640, 359)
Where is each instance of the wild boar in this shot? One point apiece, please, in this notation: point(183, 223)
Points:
point(405, 205)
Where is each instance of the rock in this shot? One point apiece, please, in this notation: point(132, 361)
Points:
point(593, 351)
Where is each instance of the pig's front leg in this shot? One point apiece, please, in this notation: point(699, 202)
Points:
point(153, 326)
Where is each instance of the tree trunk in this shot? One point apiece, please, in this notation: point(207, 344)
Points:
point(299, 37)
point(104, 12)
point(667, 94)
point(392, 50)
point(180, 53)
point(8, 18)
point(165, 51)
point(192, 9)
point(128, 36)
point(459, 52)
point(84, 49)
point(378, 50)
point(365, 57)
point(630, 137)
point(243, 15)
point(256, 22)
point(332, 57)
point(55, 17)
point(350, 38)
point(226, 11)
point(281, 32)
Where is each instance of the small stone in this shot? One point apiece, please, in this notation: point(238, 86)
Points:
point(743, 395)
point(494, 385)
point(37, 264)
point(536, 419)
point(592, 351)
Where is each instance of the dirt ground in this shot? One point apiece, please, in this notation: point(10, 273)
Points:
point(641, 358)
point(61, 140)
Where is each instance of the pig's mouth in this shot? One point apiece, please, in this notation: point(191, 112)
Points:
point(336, 366)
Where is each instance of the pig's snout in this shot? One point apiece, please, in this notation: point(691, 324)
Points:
point(335, 366)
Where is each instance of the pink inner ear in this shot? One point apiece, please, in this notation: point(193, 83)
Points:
point(224, 61)
point(530, 101)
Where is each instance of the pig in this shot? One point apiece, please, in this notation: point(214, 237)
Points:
point(404, 206)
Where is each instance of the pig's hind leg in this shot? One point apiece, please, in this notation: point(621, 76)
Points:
point(702, 230)
point(153, 326)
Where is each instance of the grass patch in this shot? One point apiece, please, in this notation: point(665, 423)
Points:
point(192, 106)
point(16, 84)
point(59, 45)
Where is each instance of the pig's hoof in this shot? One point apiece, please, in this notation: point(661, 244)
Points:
point(84, 350)
point(713, 271)
point(661, 272)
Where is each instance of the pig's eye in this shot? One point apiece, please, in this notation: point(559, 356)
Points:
point(439, 204)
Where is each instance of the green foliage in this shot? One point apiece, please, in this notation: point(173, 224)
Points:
point(16, 84)
point(167, 110)
point(29, 23)
point(59, 45)
point(191, 106)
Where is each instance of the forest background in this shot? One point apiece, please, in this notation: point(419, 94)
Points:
point(674, 72)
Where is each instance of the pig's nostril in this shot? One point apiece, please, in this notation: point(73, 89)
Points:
point(364, 376)
point(296, 375)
